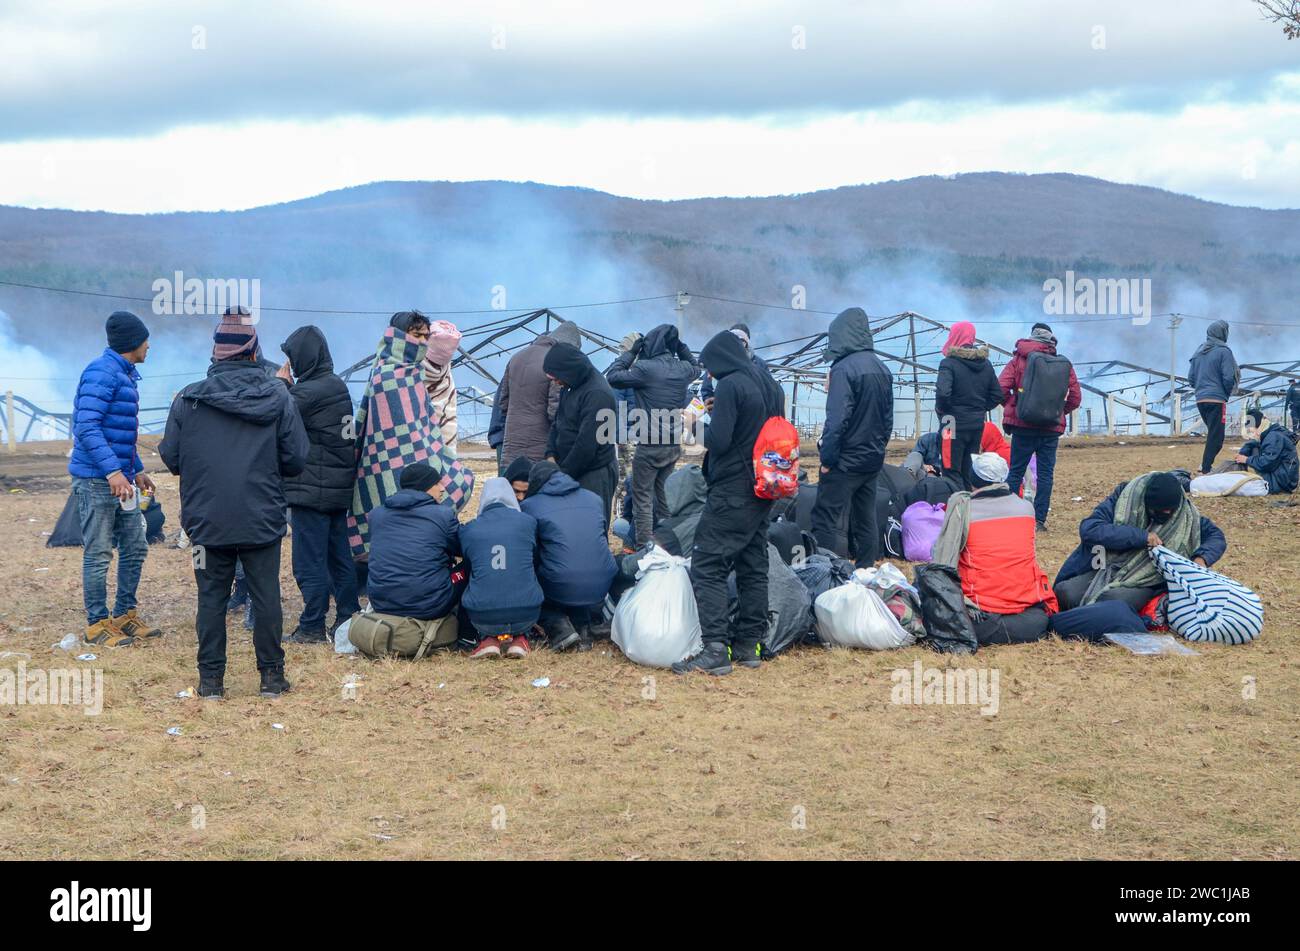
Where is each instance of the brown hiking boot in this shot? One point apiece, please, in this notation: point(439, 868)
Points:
point(132, 625)
point(105, 634)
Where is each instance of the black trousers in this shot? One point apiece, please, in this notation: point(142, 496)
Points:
point(732, 535)
point(1213, 415)
point(1070, 592)
point(846, 506)
point(602, 481)
point(1029, 625)
point(965, 443)
point(214, 574)
point(322, 566)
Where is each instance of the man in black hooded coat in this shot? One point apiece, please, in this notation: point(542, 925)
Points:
point(319, 497)
point(859, 419)
point(732, 533)
point(583, 435)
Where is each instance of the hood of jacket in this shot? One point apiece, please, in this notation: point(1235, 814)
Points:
point(308, 353)
point(240, 388)
point(409, 499)
point(684, 488)
point(497, 491)
point(568, 364)
point(566, 332)
point(662, 339)
point(1025, 346)
point(848, 333)
point(1215, 336)
point(725, 353)
point(970, 354)
point(560, 483)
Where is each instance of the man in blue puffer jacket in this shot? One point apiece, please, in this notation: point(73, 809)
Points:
point(106, 471)
point(413, 539)
point(503, 600)
point(574, 564)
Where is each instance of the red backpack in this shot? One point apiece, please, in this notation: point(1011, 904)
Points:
point(776, 459)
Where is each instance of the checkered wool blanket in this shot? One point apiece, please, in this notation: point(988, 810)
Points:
point(394, 428)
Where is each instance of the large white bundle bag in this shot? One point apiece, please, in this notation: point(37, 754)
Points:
point(853, 615)
point(657, 623)
point(1229, 483)
point(1207, 606)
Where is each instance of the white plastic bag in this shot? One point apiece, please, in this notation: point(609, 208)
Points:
point(342, 643)
point(883, 578)
point(853, 615)
point(656, 623)
point(1229, 483)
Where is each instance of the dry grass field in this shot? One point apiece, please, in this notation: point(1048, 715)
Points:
point(805, 758)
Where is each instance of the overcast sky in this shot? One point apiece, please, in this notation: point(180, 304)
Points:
point(173, 105)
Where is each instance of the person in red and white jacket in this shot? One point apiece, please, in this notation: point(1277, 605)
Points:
point(988, 536)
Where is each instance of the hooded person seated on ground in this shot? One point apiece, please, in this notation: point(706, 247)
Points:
point(503, 600)
point(516, 473)
point(1111, 562)
point(1270, 451)
point(686, 492)
point(574, 564)
point(988, 536)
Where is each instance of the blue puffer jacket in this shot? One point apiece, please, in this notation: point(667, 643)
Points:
point(106, 420)
point(1274, 458)
point(574, 564)
point(1213, 371)
point(503, 596)
point(1099, 528)
point(412, 542)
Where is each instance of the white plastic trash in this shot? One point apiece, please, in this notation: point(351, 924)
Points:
point(657, 623)
point(342, 645)
point(853, 615)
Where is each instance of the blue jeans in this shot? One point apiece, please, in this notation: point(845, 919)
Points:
point(104, 526)
point(1026, 443)
point(322, 565)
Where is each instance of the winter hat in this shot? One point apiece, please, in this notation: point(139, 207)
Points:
point(419, 476)
point(125, 331)
point(518, 470)
point(540, 475)
point(961, 335)
point(1164, 493)
point(989, 468)
point(741, 331)
point(235, 337)
point(1041, 326)
point(444, 338)
point(1043, 334)
point(1256, 415)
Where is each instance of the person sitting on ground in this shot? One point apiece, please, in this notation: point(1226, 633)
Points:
point(1270, 451)
point(927, 456)
point(1111, 562)
point(503, 600)
point(517, 475)
point(686, 491)
point(574, 564)
point(988, 536)
point(582, 437)
point(414, 538)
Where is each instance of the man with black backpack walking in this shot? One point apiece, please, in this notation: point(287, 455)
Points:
point(1040, 389)
point(732, 532)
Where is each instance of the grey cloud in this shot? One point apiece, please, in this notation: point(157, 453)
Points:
point(120, 72)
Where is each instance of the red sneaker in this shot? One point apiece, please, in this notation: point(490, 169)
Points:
point(487, 647)
point(518, 647)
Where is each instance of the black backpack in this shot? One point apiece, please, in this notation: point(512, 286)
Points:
point(1043, 389)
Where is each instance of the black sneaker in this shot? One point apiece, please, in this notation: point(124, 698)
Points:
point(585, 642)
point(747, 655)
point(300, 636)
point(212, 688)
point(715, 659)
point(561, 634)
point(1040, 527)
point(273, 682)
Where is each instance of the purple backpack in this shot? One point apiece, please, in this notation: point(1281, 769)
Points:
point(921, 524)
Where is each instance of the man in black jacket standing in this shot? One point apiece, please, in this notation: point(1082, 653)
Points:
point(659, 370)
point(233, 438)
point(732, 533)
point(859, 419)
point(319, 496)
point(584, 433)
